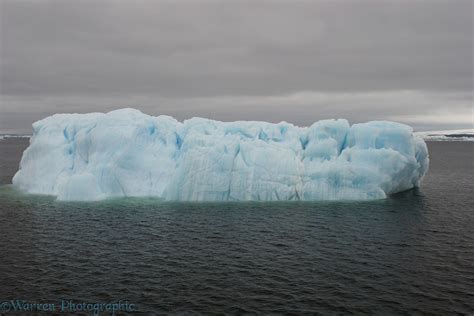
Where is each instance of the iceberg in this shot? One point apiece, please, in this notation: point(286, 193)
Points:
point(87, 157)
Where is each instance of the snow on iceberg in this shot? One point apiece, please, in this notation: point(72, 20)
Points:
point(84, 157)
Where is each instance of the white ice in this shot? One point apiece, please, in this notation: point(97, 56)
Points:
point(85, 157)
point(448, 135)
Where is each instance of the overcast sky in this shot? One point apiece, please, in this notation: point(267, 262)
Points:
point(297, 61)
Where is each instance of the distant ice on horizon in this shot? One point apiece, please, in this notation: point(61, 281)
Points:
point(85, 157)
point(448, 135)
point(3, 136)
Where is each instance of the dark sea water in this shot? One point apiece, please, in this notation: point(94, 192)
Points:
point(412, 253)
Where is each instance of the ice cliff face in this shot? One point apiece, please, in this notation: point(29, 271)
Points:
point(127, 153)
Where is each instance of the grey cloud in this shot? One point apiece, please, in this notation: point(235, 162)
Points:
point(302, 108)
point(193, 52)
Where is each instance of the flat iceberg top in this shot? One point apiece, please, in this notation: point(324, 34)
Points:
point(85, 157)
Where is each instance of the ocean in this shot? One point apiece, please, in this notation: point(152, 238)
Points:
point(412, 253)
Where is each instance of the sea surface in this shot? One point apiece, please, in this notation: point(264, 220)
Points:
point(412, 253)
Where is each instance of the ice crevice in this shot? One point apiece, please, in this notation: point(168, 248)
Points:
point(84, 157)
